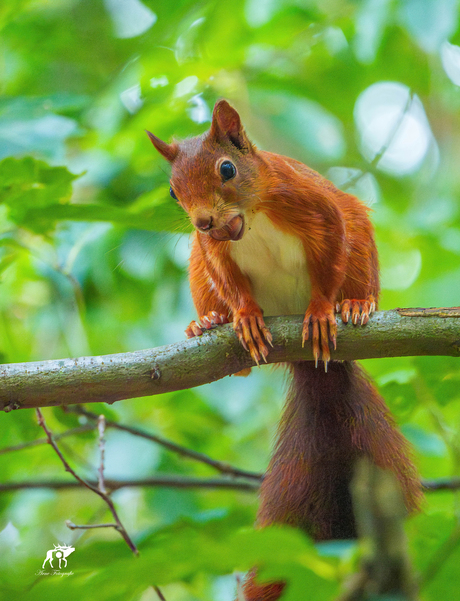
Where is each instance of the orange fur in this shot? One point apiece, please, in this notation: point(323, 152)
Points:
point(298, 226)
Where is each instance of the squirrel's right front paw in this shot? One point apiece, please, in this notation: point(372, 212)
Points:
point(253, 334)
point(206, 322)
point(320, 316)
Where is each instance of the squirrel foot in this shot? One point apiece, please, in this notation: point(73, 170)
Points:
point(359, 310)
point(320, 315)
point(206, 322)
point(253, 334)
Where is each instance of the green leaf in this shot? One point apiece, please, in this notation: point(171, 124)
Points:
point(38, 197)
point(28, 185)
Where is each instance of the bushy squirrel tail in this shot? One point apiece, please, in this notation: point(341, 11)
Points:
point(329, 421)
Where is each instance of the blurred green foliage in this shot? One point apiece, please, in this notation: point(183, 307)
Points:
point(93, 257)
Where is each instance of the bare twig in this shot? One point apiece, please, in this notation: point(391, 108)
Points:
point(397, 124)
point(165, 481)
point(101, 430)
point(119, 526)
point(159, 593)
point(40, 441)
point(383, 149)
point(174, 481)
point(221, 466)
point(441, 484)
point(71, 526)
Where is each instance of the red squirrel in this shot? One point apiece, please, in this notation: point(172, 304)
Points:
point(273, 237)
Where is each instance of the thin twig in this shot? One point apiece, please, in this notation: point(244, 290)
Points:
point(120, 528)
point(166, 481)
point(159, 593)
point(73, 526)
point(174, 481)
point(221, 466)
point(383, 149)
point(402, 115)
point(441, 484)
point(101, 430)
point(40, 441)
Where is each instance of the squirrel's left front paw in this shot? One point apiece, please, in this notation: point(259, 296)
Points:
point(358, 310)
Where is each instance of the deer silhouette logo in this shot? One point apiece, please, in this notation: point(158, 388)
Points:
point(60, 552)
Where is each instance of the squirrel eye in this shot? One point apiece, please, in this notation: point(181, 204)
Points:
point(227, 170)
point(171, 191)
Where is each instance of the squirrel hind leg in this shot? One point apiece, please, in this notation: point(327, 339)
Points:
point(244, 372)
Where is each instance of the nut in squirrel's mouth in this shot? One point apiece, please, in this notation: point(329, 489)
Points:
point(233, 230)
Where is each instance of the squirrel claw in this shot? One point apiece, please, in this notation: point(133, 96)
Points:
point(358, 310)
point(320, 316)
point(194, 329)
point(253, 334)
point(255, 356)
point(206, 322)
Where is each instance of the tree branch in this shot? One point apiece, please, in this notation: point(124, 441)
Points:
point(217, 354)
point(176, 481)
point(168, 481)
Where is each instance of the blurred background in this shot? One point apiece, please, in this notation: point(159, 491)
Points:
point(93, 260)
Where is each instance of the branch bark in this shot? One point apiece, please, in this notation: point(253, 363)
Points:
point(216, 354)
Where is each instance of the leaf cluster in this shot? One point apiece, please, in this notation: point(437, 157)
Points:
point(93, 259)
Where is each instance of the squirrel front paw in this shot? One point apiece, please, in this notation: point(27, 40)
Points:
point(206, 322)
point(320, 316)
point(253, 333)
point(359, 310)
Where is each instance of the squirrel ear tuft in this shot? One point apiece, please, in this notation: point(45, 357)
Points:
point(169, 151)
point(226, 124)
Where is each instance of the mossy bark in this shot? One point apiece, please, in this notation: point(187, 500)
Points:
point(216, 354)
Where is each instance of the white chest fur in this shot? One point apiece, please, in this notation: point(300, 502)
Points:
point(276, 266)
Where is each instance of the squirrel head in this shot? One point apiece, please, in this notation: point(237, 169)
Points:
point(214, 175)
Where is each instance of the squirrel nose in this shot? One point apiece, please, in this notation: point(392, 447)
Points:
point(203, 223)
